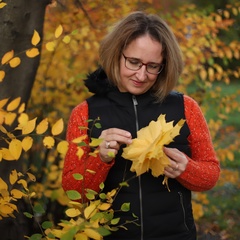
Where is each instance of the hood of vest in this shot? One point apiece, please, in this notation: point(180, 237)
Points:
point(97, 82)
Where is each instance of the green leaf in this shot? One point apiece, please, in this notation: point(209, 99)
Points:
point(82, 144)
point(73, 195)
point(102, 196)
point(36, 236)
point(38, 208)
point(101, 186)
point(115, 221)
point(78, 176)
point(28, 215)
point(125, 207)
point(47, 224)
point(70, 234)
point(98, 125)
point(123, 184)
point(90, 196)
point(91, 191)
point(74, 32)
point(103, 231)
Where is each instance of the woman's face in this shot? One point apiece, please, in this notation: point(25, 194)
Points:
point(141, 50)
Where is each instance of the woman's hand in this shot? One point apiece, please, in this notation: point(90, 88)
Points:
point(178, 162)
point(113, 138)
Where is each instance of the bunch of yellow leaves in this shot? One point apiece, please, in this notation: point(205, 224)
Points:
point(146, 151)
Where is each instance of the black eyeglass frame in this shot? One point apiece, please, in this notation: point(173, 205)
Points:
point(142, 64)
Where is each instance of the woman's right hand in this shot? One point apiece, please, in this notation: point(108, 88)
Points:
point(113, 138)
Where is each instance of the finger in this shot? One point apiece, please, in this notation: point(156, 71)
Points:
point(117, 136)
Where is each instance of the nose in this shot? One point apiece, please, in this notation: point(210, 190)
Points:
point(142, 73)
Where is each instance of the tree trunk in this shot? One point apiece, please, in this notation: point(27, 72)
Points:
point(18, 20)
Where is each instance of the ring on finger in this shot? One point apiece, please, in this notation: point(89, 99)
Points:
point(176, 168)
point(107, 145)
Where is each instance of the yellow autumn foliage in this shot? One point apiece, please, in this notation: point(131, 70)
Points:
point(72, 48)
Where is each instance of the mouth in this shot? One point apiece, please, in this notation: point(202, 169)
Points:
point(137, 83)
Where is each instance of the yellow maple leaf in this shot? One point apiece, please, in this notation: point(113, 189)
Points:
point(146, 151)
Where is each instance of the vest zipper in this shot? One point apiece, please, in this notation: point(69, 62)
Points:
point(183, 209)
point(135, 103)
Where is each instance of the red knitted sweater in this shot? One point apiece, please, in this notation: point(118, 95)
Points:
point(201, 174)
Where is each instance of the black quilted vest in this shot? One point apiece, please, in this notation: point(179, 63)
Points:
point(163, 215)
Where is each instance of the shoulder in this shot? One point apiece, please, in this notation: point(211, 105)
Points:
point(190, 104)
point(80, 111)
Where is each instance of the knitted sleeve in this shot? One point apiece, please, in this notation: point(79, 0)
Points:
point(203, 168)
point(93, 170)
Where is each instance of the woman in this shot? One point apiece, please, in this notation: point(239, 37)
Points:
point(140, 65)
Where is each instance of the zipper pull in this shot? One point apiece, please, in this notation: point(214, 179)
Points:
point(135, 103)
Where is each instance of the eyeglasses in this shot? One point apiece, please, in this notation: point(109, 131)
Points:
point(135, 64)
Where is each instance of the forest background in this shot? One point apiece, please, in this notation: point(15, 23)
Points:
point(41, 79)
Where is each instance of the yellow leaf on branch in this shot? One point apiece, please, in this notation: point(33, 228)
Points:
point(33, 52)
point(62, 147)
point(58, 31)
point(13, 104)
point(2, 75)
point(35, 38)
point(72, 212)
point(50, 46)
point(3, 102)
point(14, 62)
point(27, 143)
point(48, 142)
point(29, 127)
point(92, 234)
point(57, 128)
point(146, 151)
point(2, 5)
point(9, 118)
point(3, 185)
point(42, 126)
point(7, 57)
point(13, 177)
point(6, 154)
point(90, 210)
point(17, 194)
point(15, 148)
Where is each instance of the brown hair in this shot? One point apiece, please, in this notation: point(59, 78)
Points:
point(128, 29)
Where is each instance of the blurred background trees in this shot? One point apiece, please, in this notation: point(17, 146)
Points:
point(209, 35)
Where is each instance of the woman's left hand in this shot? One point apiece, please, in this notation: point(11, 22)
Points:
point(178, 162)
